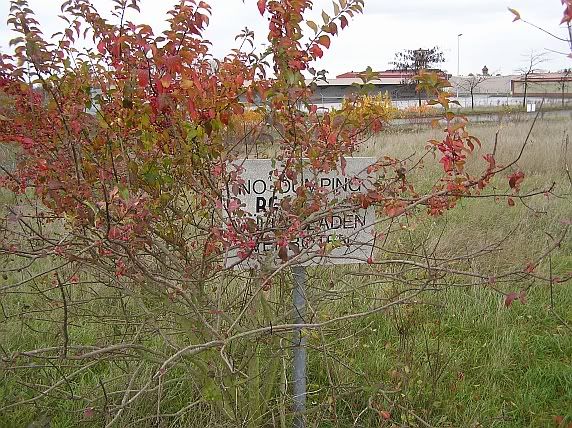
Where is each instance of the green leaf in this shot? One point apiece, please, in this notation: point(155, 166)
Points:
point(211, 391)
point(91, 206)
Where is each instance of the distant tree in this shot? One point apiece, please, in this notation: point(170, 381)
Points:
point(533, 60)
point(471, 84)
point(415, 60)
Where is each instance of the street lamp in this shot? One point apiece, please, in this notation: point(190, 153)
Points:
point(458, 59)
point(459, 54)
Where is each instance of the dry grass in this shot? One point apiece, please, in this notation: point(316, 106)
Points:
point(542, 157)
point(478, 222)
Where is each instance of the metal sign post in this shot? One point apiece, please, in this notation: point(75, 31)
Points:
point(299, 341)
point(353, 230)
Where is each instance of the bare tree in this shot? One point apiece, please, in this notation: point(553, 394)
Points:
point(533, 60)
point(563, 82)
point(471, 84)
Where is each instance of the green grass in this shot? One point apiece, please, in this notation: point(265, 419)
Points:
point(455, 357)
point(505, 367)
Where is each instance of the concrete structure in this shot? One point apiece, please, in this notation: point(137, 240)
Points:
point(489, 85)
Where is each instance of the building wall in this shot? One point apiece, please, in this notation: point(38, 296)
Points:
point(335, 93)
point(492, 85)
point(546, 88)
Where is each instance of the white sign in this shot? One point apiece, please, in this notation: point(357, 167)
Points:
point(342, 235)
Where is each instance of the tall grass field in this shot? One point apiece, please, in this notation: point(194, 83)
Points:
point(455, 356)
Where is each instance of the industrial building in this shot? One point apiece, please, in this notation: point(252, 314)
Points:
point(554, 85)
point(479, 90)
point(398, 84)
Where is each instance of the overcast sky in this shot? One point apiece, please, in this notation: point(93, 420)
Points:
point(387, 26)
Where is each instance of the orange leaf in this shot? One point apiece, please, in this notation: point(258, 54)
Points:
point(324, 41)
point(515, 13)
point(166, 81)
point(186, 83)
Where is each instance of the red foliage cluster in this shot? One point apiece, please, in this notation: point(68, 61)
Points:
point(118, 140)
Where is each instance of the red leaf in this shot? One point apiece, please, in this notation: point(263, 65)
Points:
point(283, 254)
point(42, 165)
point(88, 413)
point(394, 210)
point(261, 6)
point(567, 14)
point(515, 180)
point(491, 160)
point(143, 77)
point(101, 47)
point(376, 125)
point(510, 298)
point(385, 414)
point(27, 143)
point(316, 51)
point(324, 41)
point(510, 202)
point(192, 110)
point(447, 163)
point(343, 21)
point(530, 267)
point(173, 64)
